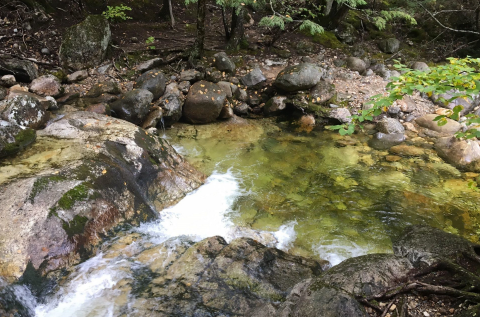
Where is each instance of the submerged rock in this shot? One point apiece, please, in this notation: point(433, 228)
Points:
point(85, 45)
point(382, 141)
point(86, 174)
point(298, 77)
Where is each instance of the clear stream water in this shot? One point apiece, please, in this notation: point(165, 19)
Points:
point(313, 194)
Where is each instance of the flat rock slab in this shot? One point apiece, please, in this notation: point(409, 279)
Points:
point(86, 174)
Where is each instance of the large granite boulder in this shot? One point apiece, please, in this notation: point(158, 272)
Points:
point(85, 175)
point(47, 85)
point(427, 121)
point(133, 106)
point(14, 138)
point(219, 278)
point(463, 154)
point(389, 46)
point(85, 45)
point(23, 70)
point(24, 110)
point(298, 77)
point(204, 103)
point(153, 81)
point(424, 246)
point(313, 299)
point(223, 63)
point(368, 274)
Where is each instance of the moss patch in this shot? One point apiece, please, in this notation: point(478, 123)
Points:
point(41, 184)
point(76, 226)
point(328, 39)
point(22, 139)
point(77, 193)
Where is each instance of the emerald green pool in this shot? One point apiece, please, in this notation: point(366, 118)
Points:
point(341, 197)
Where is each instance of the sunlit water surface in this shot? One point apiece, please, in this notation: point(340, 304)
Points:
point(315, 194)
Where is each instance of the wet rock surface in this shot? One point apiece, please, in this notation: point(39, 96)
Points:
point(68, 199)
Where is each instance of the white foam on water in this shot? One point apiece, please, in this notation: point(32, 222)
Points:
point(201, 214)
point(336, 251)
point(285, 236)
point(91, 292)
point(92, 289)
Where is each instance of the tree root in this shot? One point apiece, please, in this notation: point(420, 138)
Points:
point(467, 277)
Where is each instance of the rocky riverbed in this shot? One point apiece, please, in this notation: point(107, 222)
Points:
point(102, 216)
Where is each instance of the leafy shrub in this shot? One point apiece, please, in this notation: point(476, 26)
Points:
point(117, 13)
point(460, 76)
point(150, 40)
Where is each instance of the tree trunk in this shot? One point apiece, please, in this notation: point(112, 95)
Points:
point(165, 11)
point(237, 33)
point(333, 14)
point(197, 50)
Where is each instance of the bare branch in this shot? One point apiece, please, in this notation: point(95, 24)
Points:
point(444, 26)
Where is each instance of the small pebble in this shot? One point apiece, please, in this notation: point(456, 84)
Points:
point(45, 51)
point(426, 314)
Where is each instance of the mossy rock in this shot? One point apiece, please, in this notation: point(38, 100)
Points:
point(328, 39)
point(85, 45)
point(14, 138)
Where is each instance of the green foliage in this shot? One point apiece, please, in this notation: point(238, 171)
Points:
point(150, 40)
point(311, 27)
point(117, 13)
point(384, 17)
point(460, 78)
